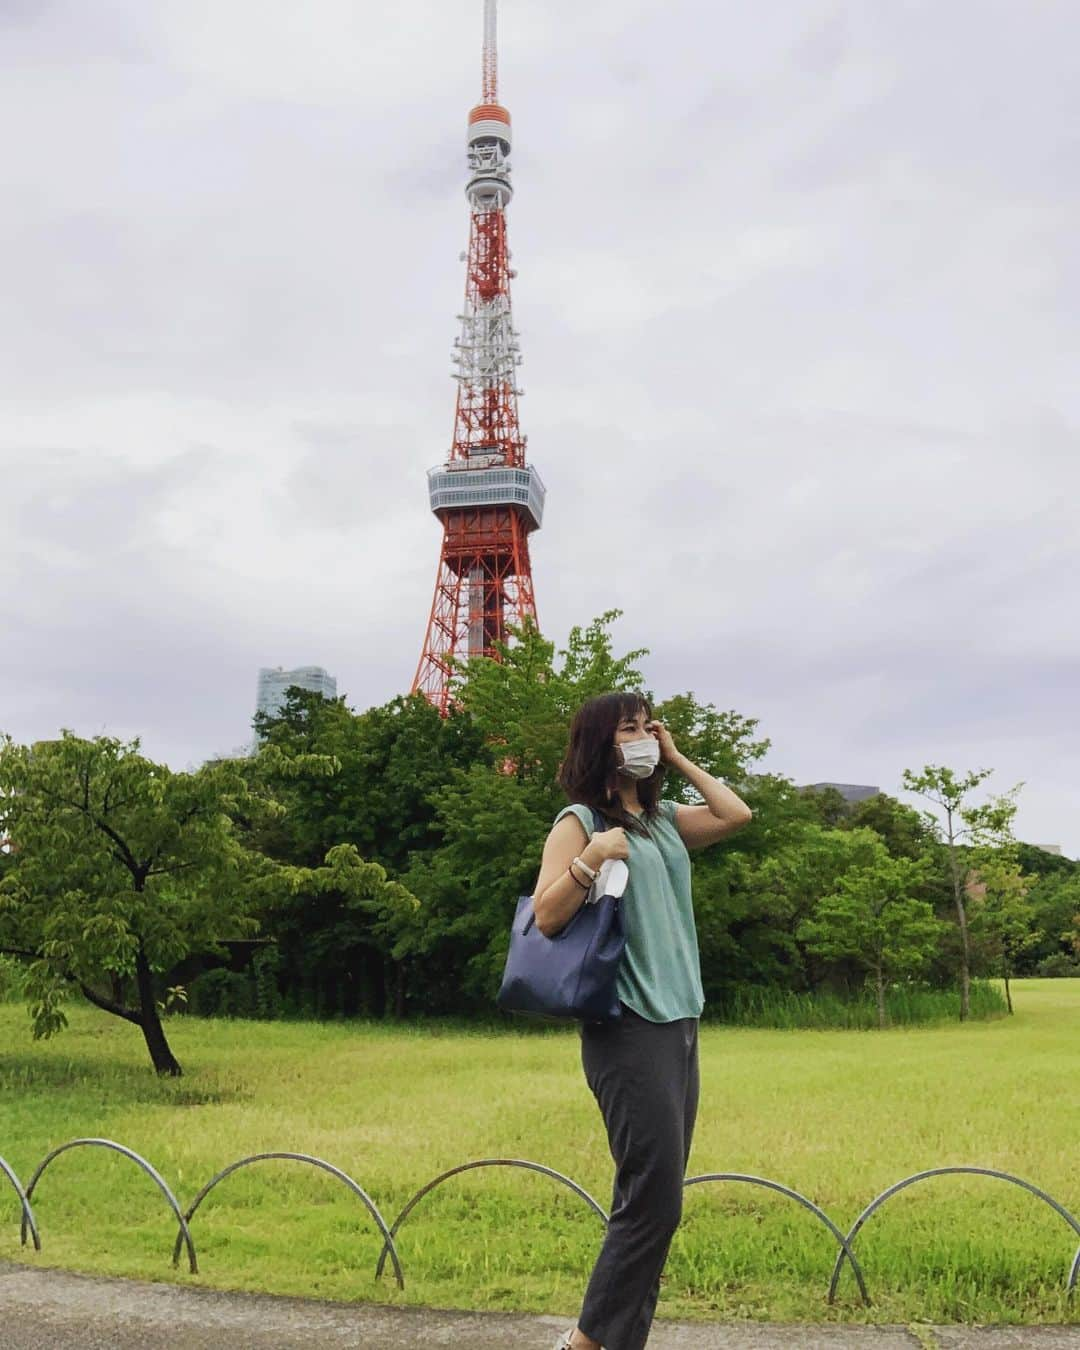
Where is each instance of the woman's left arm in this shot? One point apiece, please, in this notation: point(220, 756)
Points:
point(724, 811)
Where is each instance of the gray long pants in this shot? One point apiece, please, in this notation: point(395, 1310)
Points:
point(644, 1075)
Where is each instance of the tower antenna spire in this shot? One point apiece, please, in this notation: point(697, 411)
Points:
point(491, 53)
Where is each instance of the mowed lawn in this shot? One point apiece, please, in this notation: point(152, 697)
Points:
point(836, 1115)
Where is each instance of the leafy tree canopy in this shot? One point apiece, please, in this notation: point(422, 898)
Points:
point(904, 830)
point(121, 868)
point(387, 761)
point(875, 917)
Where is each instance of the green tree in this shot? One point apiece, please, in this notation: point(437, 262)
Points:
point(786, 883)
point(339, 956)
point(494, 831)
point(122, 868)
point(741, 938)
point(389, 760)
point(1055, 900)
point(875, 918)
point(1039, 863)
point(1003, 916)
point(962, 826)
point(904, 830)
point(365, 908)
point(523, 703)
point(494, 814)
point(830, 807)
point(723, 743)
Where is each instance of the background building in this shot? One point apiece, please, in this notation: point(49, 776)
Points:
point(274, 684)
point(851, 792)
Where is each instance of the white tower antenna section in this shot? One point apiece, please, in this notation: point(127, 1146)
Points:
point(491, 70)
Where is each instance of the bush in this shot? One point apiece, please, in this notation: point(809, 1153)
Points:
point(222, 993)
point(12, 977)
point(1057, 967)
point(227, 993)
point(905, 1004)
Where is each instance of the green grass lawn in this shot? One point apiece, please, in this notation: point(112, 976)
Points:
point(836, 1115)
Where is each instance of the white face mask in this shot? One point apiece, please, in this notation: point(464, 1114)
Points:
point(640, 758)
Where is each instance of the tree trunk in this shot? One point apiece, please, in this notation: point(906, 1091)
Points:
point(399, 990)
point(1008, 995)
point(879, 982)
point(164, 1060)
point(965, 979)
point(961, 919)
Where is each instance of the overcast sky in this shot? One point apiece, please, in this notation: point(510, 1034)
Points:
point(798, 288)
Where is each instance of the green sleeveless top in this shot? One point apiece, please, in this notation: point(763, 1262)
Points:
point(660, 975)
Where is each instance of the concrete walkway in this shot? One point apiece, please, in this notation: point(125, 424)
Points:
point(55, 1310)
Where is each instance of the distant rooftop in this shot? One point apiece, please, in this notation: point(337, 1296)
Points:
point(851, 792)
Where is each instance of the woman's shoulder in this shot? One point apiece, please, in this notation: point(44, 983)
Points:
point(584, 813)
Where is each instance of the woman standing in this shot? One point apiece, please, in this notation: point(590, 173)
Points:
point(642, 1067)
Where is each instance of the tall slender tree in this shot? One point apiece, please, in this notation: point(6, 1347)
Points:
point(1002, 913)
point(962, 825)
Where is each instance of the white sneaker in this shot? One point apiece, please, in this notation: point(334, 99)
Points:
point(563, 1343)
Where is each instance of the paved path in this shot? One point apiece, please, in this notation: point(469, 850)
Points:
point(55, 1310)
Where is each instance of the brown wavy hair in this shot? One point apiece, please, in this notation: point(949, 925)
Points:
point(588, 773)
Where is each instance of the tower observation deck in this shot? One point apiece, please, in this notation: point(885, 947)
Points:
point(487, 497)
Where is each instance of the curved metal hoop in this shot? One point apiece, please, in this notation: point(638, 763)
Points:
point(948, 1171)
point(24, 1204)
point(388, 1237)
point(151, 1172)
point(484, 1162)
point(844, 1242)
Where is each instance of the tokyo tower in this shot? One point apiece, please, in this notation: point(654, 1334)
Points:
point(488, 499)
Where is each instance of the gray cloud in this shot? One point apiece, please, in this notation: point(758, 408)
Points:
point(798, 294)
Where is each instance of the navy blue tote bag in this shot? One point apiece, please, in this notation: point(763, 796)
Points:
point(571, 975)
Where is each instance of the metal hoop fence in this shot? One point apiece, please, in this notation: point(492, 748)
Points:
point(150, 1171)
point(29, 1226)
point(388, 1238)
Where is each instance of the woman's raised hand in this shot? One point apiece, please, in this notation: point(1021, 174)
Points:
point(612, 843)
point(667, 745)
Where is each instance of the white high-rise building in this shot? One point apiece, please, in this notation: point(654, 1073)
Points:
point(275, 682)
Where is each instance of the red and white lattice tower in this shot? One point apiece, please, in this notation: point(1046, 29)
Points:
point(488, 499)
